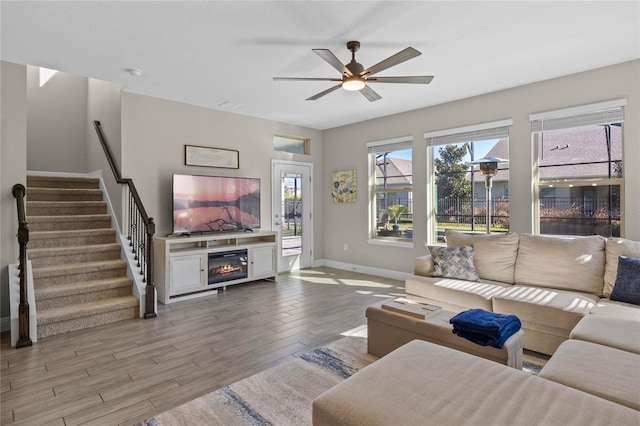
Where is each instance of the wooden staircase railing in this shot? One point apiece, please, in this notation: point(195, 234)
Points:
point(19, 192)
point(140, 227)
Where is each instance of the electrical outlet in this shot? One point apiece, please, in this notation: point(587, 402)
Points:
point(346, 247)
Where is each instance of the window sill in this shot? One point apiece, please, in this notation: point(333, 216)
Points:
point(390, 243)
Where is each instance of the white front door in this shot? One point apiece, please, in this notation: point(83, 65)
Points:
point(292, 213)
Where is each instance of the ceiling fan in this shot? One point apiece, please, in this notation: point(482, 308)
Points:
point(356, 77)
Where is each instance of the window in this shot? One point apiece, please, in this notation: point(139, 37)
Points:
point(391, 171)
point(291, 144)
point(579, 176)
point(457, 189)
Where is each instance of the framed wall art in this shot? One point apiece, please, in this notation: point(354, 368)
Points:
point(211, 157)
point(343, 186)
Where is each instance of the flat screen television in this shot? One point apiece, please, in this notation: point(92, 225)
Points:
point(215, 203)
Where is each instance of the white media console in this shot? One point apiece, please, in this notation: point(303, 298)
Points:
point(194, 266)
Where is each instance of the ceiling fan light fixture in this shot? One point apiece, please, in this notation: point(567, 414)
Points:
point(353, 83)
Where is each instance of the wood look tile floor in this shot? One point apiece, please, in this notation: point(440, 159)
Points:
point(131, 370)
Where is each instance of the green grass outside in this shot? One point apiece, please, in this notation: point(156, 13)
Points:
point(457, 226)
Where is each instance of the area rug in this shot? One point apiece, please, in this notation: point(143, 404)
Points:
point(282, 395)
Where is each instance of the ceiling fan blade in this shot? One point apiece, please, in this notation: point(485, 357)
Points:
point(332, 60)
point(304, 79)
point(370, 94)
point(324, 92)
point(423, 79)
point(398, 58)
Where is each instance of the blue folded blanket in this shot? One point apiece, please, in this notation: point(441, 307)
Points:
point(485, 328)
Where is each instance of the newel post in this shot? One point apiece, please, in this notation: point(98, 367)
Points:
point(150, 297)
point(24, 339)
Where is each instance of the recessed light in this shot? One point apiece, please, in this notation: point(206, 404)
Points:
point(134, 72)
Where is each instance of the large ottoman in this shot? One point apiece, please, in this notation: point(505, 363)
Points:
point(388, 330)
point(422, 383)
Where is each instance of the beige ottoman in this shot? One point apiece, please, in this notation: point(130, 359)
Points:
point(388, 330)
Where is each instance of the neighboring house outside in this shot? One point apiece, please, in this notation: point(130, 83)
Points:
point(581, 145)
point(394, 173)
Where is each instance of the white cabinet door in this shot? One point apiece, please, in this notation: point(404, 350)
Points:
point(262, 262)
point(188, 273)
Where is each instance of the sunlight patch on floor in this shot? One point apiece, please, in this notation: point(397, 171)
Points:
point(364, 283)
point(359, 331)
point(320, 280)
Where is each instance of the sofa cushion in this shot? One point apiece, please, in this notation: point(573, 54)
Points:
point(545, 307)
point(455, 295)
point(565, 263)
point(453, 262)
point(618, 333)
point(422, 383)
point(422, 265)
point(617, 247)
point(599, 370)
point(627, 287)
point(614, 309)
point(494, 256)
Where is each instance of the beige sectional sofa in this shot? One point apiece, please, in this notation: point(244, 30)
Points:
point(560, 288)
point(549, 282)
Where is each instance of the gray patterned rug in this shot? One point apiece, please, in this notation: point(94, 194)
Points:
point(282, 395)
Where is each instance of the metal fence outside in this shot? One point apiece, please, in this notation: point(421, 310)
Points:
point(558, 215)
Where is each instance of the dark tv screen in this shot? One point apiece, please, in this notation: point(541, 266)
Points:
point(215, 203)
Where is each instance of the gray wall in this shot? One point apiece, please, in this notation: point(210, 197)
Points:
point(13, 159)
point(104, 104)
point(56, 120)
point(155, 131)
point(348, 223)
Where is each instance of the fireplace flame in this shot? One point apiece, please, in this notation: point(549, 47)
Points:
point(228, 269)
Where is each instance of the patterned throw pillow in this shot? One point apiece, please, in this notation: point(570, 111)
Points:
point(453, 262)
point(627, 287)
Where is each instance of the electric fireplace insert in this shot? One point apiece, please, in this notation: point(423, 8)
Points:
point(227, 266)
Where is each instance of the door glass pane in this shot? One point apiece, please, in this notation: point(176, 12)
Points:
point(291, 214)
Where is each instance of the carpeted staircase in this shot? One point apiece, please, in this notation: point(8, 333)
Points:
point(79, 277)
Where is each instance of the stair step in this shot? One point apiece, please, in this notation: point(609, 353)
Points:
point(68, 255)
point(57, 208)
point(87, 271)
point(75, 317)
point(79, 277)
point(68, 222)
point(61, 182)
point(64, 194)
point(51, 239)
point(82, 292)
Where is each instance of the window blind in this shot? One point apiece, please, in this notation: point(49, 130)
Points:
point(495, 130)
point(584, 115)
point(390, 145)
point(594, 118)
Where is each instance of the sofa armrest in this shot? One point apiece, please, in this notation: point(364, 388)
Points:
point(423, 265)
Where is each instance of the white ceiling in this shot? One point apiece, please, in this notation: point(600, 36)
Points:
point(211, 52)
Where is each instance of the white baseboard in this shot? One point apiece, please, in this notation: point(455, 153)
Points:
point(386, 273)
point(5, 324)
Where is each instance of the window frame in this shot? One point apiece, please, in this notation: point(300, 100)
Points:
point(305, 142)
point(435, 139)
point(602, 113)
point(375, 148)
